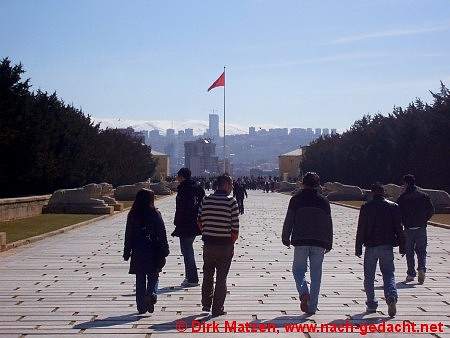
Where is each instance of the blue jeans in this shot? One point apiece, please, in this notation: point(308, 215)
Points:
point(385, 254)
point(299, 268)
point(187, 250)
point(416, 241)
point(146, 285)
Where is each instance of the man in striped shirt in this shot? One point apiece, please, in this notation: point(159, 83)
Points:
point(218, 219)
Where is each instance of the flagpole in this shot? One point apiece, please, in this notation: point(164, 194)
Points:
point(224, 151)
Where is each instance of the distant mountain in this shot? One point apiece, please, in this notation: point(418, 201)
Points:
point(199, 127)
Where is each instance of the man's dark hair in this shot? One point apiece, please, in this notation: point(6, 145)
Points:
point(223, 179)
point(409, 179)
point(311, 179)
point(184, 172)
point(377, 188)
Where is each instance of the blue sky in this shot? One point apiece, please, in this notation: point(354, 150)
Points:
point(292, 63)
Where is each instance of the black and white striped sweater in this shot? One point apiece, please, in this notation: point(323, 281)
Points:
point(219, 215)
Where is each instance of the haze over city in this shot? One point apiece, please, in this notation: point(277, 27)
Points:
point(288, 63)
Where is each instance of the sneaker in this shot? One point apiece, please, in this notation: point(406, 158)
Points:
point(218, 313)
point(371, 309)
point(409, 278)
point(206, 308)
point(304, 302)
point(188, 284)
point(421, 277)
point(392, 307)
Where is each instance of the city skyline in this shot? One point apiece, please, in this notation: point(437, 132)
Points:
point(199, 127)
point(288, 63)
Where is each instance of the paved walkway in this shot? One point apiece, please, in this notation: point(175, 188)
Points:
point(76, 283)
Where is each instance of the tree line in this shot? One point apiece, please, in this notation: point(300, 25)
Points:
point(381, 148)
point(47, 145)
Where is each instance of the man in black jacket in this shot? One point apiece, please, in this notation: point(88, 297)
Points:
point(239, 192)
point(416, 209)
point(309, 228)
point(189, 197)
point(379, 230)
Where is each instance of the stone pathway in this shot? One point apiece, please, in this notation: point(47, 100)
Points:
point(76, 283)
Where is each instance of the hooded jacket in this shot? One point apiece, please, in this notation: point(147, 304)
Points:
point(189, 196)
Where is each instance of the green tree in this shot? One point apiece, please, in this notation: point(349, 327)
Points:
point(47, 145)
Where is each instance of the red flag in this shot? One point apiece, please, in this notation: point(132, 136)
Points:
point(220, 82)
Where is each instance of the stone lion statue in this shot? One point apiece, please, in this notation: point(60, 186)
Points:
point(336, 191)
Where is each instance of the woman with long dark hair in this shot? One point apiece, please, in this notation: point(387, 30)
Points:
point(146, 244)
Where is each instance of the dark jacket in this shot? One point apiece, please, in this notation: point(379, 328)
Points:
point(189, 197)
point(239, 191)
point(379, 224)
point(308, 221)
point(416, 207)
point(144, 237)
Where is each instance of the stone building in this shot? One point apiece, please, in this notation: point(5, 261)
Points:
point(289, 164)
point(162, 166)
point(200, 157)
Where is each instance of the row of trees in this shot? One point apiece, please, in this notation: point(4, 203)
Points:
point(46, 144)
point(383, 148)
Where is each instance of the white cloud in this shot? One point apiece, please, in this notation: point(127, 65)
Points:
point(390, 33)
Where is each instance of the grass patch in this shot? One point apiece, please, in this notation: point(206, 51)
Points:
point(441, 218)
point(32, 226)
point(19, 229)
point(438, 218)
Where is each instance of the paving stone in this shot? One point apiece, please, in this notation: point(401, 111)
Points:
point(77, 283)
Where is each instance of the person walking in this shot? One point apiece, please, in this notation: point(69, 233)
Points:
point(189, 197)
point(218, 219)
point(416, 209)
point(309, 228)
point(146, 244)
point(379, 230)
point(239, 192)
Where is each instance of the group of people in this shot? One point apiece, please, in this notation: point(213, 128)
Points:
point(215, 217)
point(308, 226)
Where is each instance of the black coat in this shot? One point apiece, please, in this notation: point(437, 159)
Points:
point(143, 239)
point(379, 224)
point(189, 196)
point(308, 221)
point(416, 208)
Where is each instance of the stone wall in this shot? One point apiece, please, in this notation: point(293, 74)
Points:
point(22, 207)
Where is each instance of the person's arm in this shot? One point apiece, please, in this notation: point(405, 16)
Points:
point(128, 241)
point(288, 225)
point(234, 221)
point(360, 232)
point(397, 219)
point(430, 207)
point(199, 215)
point(162, 235)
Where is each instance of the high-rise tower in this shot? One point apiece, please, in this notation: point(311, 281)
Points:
point(214, 126)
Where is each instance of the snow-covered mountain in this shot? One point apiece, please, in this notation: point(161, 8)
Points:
point(199, 127)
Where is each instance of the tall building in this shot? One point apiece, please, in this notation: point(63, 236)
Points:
point(200, 157)
point(214, 126)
